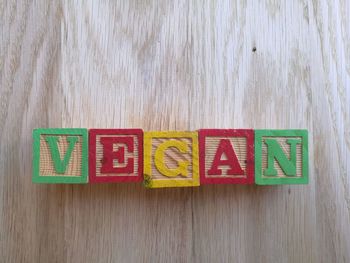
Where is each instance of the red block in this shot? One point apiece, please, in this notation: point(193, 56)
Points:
point(226, 156)
point(115, 155)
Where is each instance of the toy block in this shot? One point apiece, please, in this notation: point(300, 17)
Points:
point(281, 157)
point(115, 155)
point(171, 159)
point(60, 156)
point(226, 156)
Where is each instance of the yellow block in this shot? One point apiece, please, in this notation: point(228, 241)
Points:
point(171, 159)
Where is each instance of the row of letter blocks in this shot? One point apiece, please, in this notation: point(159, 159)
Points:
point(170, 158)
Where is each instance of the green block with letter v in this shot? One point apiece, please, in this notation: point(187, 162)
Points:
point(60, 156)
point(281, 157)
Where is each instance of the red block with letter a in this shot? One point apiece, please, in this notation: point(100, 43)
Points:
point(115, 155)
point(226, 156)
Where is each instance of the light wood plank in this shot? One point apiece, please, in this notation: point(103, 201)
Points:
point(177, 65)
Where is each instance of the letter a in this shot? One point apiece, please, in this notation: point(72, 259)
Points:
point(226, 148)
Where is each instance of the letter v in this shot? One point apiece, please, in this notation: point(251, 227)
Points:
point(61, 165)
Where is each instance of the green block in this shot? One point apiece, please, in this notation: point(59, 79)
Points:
point(281, 157)
point(60, 156)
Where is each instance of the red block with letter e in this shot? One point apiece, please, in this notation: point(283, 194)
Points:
point(226, 156)
point(115, 155)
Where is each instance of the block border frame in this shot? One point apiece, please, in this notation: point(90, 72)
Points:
point(248, 134)
point(92, 156)
point(303, 133)
point(147, 159)
point(37, 178)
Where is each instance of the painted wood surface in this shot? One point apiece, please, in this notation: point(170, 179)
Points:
point(60, 156)
point(115, 155)
point(171, 159)
point(176, 65)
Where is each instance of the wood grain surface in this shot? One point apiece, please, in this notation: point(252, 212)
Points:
point(175, 65)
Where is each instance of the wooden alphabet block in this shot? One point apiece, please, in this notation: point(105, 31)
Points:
point(115, 155)
point(281, 157)
point(171, 159)
point(226, 156)
point(60, 156)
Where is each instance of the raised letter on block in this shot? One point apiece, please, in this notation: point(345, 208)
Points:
point(171, 159)
point(115, 155)
point(281, 157)
point(226, 156)
point(60, 156)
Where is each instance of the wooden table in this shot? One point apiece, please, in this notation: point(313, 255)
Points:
point(175, 65)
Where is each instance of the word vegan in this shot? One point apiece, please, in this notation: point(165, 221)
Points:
point(170, 158)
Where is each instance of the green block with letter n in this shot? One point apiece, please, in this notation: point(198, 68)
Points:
point(281, 157)
point(60, 156)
